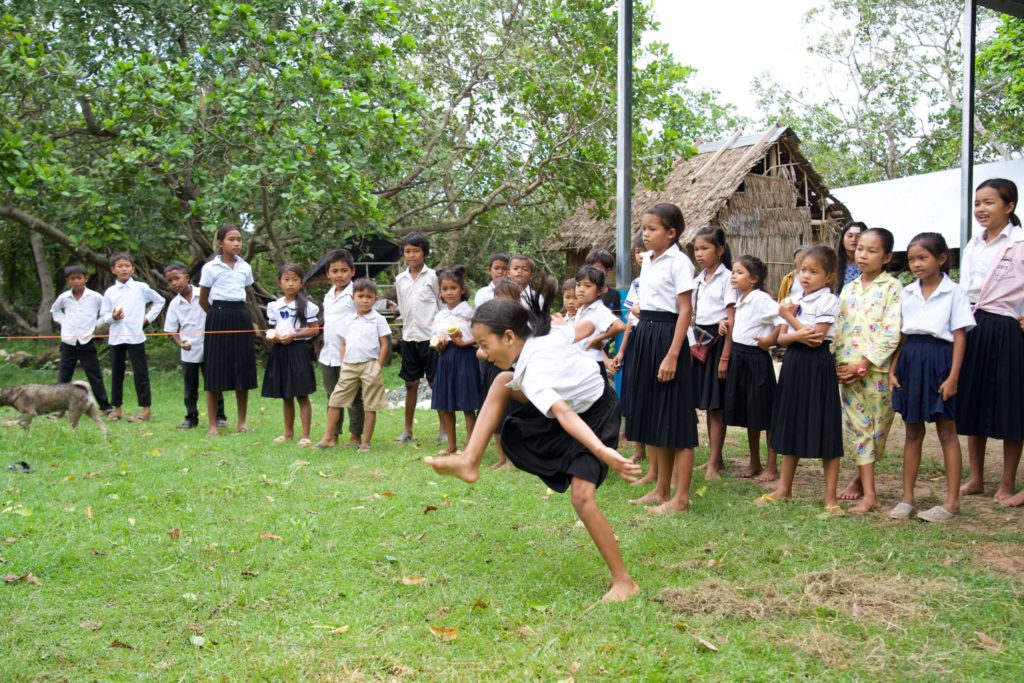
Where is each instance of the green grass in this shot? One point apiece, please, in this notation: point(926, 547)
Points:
point(502, 562)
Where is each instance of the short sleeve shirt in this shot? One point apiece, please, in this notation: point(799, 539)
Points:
point(602, 318)
point(821, 306)
point(663, 278)
point(945, 311)
point(188, 320)
point(338, 308)
point(711, 299)
point(362, 336)
point(77, 317)
point(417, 302)
point(551, 369)
point(226, 283)
point(283, 317)
point(461, 316)
point(756, 313)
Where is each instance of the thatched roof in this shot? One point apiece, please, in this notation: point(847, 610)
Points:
point(767, 167)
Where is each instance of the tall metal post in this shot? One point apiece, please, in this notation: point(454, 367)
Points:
point(967, 130)
point(624, 150)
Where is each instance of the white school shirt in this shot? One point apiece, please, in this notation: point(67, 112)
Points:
point(662, 279)
point(226, 283)
point(797, 290)
point(821, 306)
point(711, 299)
point(188, 320)
point(550, 369)
point(417, 303)
point(362, 336)
point(460, 316)
point(338, 308)
point(755, 317)
point(632, 297)
point(77, 317)
point(946, 310)
point(603, 318)
point(133, 296)
point(483, 295)
point(283, 317)
point(978, 258)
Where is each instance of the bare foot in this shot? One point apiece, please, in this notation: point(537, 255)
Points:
point(770, 474)
point(1003, 495)
point(852, 492)
point(457, 465)
point(750, 471)
point(652, 497)
point(865, 506)
point(213, 432)
point(673, 505)
point(621, 591)
point(1012, 501)
point(972, 488)
point(711, 472)
point(242, 429)
point(647, 479)
point(501, 465)
point(115, 415)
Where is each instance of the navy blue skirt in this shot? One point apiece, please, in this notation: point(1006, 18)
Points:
point(807, 416)
point(289, 372)
point(924, 364)
point(992, 380)
point(457, 380)
point(749, 388)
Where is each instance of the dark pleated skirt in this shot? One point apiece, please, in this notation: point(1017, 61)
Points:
point(456, 380)
point(539, 445)
point(807, 418)
point(229, 359)
point(749, 388)
point(661, 414)
point(289, 372)
point(624, 381)
point(923, 366)
point(710, 389)
point(991, 391)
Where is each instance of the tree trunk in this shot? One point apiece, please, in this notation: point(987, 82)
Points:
point(47, 295)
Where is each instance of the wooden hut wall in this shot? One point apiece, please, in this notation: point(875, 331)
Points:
point(769, 234)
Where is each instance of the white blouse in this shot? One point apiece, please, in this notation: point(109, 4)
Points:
point(946, 310)
point(711, 299)
point(755, 317)
point(551, 369)
point(664, 278)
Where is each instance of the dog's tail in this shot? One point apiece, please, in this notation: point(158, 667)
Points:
point(88, 390)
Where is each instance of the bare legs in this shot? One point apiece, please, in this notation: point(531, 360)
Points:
point(716, 440)
point(665, 457)
point(680, 502)
point(600, 531)
point(951, 457)
point(447, 420)
point(754, 469)
point(305, 416)
point(976, 481)
point(411, 391)
point(784, 491)
point(241, 402)
point(869, 499)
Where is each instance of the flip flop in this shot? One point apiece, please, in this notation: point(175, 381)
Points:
point(902, 511)
point(936, 514)
point(280, 439)
point(138, 418)
point(404, 438)
point(769, 499)
point(324, 447)
point(363, 448)
point(305, 443)
point(833, 511)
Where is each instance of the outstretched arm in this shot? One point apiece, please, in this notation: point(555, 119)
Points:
point(574, 425)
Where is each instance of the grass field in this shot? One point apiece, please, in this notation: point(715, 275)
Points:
point(165, 555)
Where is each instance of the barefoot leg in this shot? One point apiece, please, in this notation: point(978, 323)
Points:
point(784, 489)
point(305, 415)
point(754, 453)
point(912, 459)
point(716, 440)
point(1011, 459)
point(663, 488)
point(771, 472)
point(411, 394)
point(211, 410)
point(831, 470)
point(953, 459)
point(684, 474)
point(289, 417)
point(975, 485)
point(242, 404)
point(853, 491)
point(330, 437)
point(601, 532)
point(869, 503)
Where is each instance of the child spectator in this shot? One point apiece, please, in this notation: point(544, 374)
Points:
point(186, 323)
point(457, 379)
point(125, 310)
point(790, 285)
point(521, 268)
point(364, 347)
point(417, 291)
point(589, 288)
point(77, 311)
point(338, 310)
point(602, 258)
point(497, 268)
point(569, 303)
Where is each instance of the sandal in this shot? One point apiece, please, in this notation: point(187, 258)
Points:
point(324, 446)
point(404, 438)
point(769, 499)
point(902, 511)
point(138, 418)
point(305, 443)
point(833, 511)
point(281, 439)
point(363, 448)
point(937, 514)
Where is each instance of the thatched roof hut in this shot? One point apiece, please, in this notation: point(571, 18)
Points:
point(759, 188)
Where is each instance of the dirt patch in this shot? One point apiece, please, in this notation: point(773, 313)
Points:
point(999, 557)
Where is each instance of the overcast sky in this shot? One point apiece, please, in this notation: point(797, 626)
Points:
point(730, 43)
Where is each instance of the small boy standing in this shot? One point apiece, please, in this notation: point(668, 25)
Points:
point(417, 289)
point(186, 322)
point(497, 268)
point(125, 310)
point(338, 310)
point(521, 269)
point(364, 348)
point(77, 311)
point(569, 304)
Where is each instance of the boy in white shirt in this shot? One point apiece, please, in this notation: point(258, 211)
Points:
point(364, 348)
point(417, 289)
point(338, 309)
point(77, 311)
point(127, 306)
point(497, 268)
point(186, 323)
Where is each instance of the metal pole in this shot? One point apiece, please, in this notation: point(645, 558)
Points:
point(624, 150)
point(967, 130)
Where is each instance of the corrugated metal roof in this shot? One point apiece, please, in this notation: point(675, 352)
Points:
point(743, 141)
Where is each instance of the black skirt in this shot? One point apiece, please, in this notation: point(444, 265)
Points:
point(991, 391)
point(710, 389)
point(229, 362)
point(624, 379)
point(749, 388)
point(807, 418)
point(456, 380)
point(923, 366)
point(539, 445)
point(661, 414)
point(289, 372)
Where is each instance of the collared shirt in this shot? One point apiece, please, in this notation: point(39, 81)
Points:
point(226, 283)
point(662, 279)
point(133, 296)
point(711, 299)
point(483, 295)
point(632, 297)
point(362, 335)
point(551, 369)
point(188, 320)
point(603, 319)
point(338, 308)
point(946, 310)
point(460, 316)
point(756, 314)
point(981, 255)
point(417, 303)
point(869, 321)
point(283, 317)
point(820, 306)
point(1001, 288)
point(77, 317)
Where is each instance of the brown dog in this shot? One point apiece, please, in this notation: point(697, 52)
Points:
point(74, 398)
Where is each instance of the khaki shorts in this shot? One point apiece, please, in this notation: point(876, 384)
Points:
point(355, 375)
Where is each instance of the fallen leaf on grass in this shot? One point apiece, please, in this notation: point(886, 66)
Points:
point(3, 560)
point(88, 512)
point(714, 564)
point(607, 647)
point(90, 475)
point(537, 606)
point(412, 580)
point(480, 604)
point(198, 641)
point(430, 508)
point(189, 597)
point(19, 510)
point(131, 521)
point(388, 494)
point(27, 578)
point(705, 643)
point(118, 643)
point(701, 490)
point(197, 629)
point(70, 477)
point(91, 625)
point(10, 539)
point(988, 644)
point(445, 633)
point(267, 535)
point(336, 630)
point(155, 452)
point(174, 533)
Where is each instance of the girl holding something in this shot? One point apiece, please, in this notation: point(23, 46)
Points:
point(457, 377)
point(229, 345)
point(750, 384)
point(289, 375)
point(566, 432)
point(714, 305)
point(806, 413)
point(589, 288)
point(991, 401)
point(926, 369)
point(662, 410)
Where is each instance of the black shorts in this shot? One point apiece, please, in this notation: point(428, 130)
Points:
point(418, 359)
